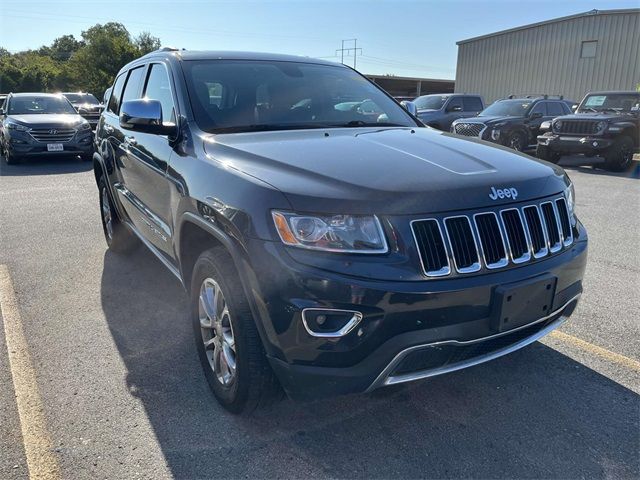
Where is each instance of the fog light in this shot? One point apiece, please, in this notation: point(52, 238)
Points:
point(329, 323)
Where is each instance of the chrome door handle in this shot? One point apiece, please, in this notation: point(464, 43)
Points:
point(130, 141)
point(108, 129)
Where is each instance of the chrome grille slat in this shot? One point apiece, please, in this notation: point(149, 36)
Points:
point(492, 239)
point(45, 135)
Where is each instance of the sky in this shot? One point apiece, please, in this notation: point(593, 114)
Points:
point(414, 38)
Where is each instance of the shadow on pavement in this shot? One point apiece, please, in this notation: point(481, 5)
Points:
point(535, 413)
point(44, 166)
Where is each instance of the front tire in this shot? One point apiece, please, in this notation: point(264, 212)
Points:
point(545, 153)
point(118, 237)
point(516, 141)
point(230, 350)
point(619, 157)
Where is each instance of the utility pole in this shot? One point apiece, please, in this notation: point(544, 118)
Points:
point(353, 49)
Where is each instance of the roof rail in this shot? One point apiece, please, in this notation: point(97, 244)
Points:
point(168, 49)
point(535, 95)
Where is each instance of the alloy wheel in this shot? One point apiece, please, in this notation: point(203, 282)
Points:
point(107, 217)
point(217, 332)
point(516, 143)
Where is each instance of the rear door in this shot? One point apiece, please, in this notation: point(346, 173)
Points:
point(145, 163)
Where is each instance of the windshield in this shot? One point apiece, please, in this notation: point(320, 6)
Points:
point(507, 108)
point(430, 102)
point(616, 102)
point(82, 98)
point(241, 95)
point(31, 104)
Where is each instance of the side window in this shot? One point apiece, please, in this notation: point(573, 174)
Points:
point(454, 102)
point(116, 94)
point(158, 88)
point(539, 107)
point(472, 104)
point(132, 89)
point(555, 109)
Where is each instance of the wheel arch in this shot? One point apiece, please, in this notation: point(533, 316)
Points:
point(194, 236)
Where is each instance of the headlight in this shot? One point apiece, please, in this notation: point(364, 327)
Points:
point(84, 126)
point(16, 126)
point(570, 196)
point(600, 126)
point(557, 125)
point(335, 233)
point(495, 134)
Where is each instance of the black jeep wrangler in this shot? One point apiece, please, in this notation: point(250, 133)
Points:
point(605, 124)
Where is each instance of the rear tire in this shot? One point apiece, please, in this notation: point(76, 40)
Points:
point(619, 157)
point(118, 237)
point(545, 153)
point(229, 346)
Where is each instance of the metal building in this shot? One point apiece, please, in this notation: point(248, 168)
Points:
point(411, 87)
point(570, 56)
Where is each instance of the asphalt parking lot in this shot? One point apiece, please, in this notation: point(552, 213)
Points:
point(120, 393)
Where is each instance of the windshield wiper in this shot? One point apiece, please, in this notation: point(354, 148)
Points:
point(362, 123)
point(266, 127)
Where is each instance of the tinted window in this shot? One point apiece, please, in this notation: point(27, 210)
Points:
point(509, 108)
point(430, 102)
point(241, 95)
point(33, 104)
point(454, 102)
point(472, 104)
point(132, 89)
point(158, 88)
point(555, 108)
point(540, 107)
point(116, 94)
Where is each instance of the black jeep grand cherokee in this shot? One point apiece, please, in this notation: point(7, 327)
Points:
point(326, 251)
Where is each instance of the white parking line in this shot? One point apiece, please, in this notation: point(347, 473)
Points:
point(41, 460)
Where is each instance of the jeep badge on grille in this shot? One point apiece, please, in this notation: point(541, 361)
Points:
point(503, 193)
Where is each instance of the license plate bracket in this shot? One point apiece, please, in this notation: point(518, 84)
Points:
point(55, 147)
point(518, 304)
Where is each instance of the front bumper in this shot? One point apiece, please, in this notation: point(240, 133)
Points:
point(567, 144)
point(398, 320)
point(22, 144)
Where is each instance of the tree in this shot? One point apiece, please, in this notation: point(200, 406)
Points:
point(63, 47)
point(147, 43)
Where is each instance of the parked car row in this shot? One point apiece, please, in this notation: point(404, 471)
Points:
point(605, 123)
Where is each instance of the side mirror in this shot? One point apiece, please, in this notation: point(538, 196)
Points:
point(455, 108)
point(144, 116)
point(574, 107)
point(410, 107)
point(535, 115)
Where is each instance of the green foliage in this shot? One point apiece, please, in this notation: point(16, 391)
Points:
point(68, 64)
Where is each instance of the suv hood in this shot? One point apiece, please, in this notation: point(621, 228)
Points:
point(384, 170)
point(488, 119)
point(44, 120)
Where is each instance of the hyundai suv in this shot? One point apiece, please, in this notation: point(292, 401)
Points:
point(42, 124)
point(513, 122)
point(325, 251)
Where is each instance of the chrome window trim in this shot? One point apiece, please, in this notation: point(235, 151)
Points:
point(557, 247)
point(569, 240)
point(475, 266)
point(436, 273)
point(527, 255)
point(545, 250)
point(355, 319)
point(504, 261)
point(385, 378)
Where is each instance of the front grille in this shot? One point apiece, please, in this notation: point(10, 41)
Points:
point(577, 127)
point(431, 247)
point(492, 239)
point(493, 248)
point(463, 244)
point(469, 129)
point(516, 236)
point(52, 135)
